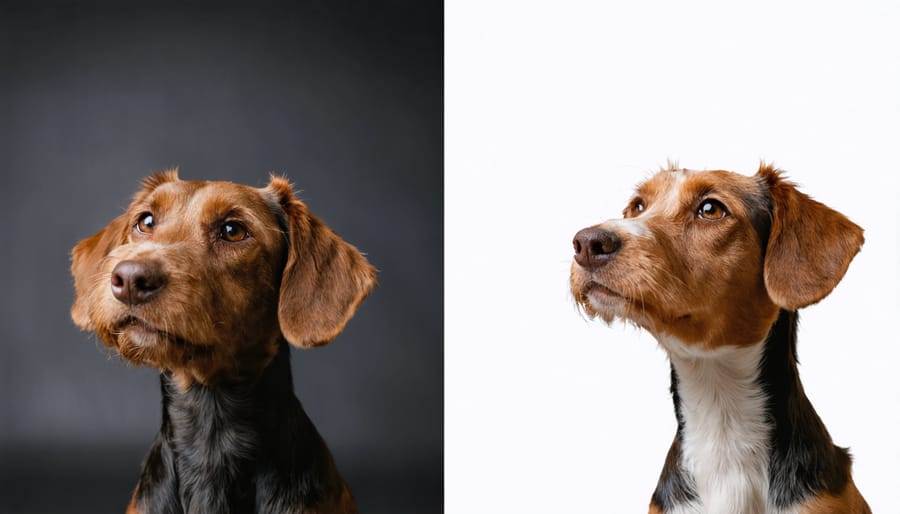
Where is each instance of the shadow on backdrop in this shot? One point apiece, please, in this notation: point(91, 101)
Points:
point(345, 98)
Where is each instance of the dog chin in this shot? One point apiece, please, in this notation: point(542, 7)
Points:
point(145, 347)
point(607, 313)
point(594, 309)
point(611, 309)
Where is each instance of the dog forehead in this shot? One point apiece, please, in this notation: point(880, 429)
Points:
point(207, 199)
point(672, 190)
point(686, 182)
point(663, 182)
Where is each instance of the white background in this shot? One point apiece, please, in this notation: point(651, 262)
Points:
point(554, 110)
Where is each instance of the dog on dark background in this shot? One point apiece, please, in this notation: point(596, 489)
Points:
point(210, 282)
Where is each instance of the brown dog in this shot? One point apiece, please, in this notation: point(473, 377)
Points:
point(715, 265)
point(208, 282)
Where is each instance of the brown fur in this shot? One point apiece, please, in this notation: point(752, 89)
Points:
point(850, 501)
point(132, 505)
point(323, 277)
point(225, 304)
point(810, 247)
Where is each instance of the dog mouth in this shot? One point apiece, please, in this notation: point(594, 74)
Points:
point(597, 299)
point(596, 292)
point(142, 333)
point(601, 290)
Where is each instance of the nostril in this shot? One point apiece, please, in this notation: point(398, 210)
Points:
point(142, 284)
point(577, 244)
point(607, 243)
point(149, 281)
point(117, 280)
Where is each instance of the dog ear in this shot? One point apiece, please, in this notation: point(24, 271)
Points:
point(324, 280)
point(810, 245)
point(87, 256)
point(89, 253)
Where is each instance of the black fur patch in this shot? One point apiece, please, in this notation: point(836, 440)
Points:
point(236, 448)
point(803, 460)
point(760, 209)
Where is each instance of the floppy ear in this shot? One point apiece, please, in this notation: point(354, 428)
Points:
point(324, 280)
point(86, 258)
point(810, 245)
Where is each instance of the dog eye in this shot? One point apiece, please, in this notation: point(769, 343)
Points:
point(145, 223)
point(712, 210)
point(635, 208)
point(233, 232)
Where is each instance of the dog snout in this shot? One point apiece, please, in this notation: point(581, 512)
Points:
point(137, 282)
point(595, 246)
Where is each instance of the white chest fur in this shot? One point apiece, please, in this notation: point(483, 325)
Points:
point(725, 443)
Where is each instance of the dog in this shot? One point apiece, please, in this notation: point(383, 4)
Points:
point(715, 265)
point(210, 282)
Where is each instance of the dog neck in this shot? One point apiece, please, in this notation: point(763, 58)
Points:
point(225, 443)
point(748, 439)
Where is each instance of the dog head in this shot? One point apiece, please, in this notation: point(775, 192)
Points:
point(709, 257)
point(204, 278)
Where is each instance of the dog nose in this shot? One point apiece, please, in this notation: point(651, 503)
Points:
point(136, 282)
point(595, 246)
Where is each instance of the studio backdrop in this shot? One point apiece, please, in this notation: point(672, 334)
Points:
point(344, 99)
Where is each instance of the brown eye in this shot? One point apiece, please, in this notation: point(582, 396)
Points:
point(146, 223)
point(233, 232)
point(636, 207)
point(712, 210)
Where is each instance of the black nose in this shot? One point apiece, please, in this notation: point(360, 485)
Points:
point(594, 247)
point(136, 282)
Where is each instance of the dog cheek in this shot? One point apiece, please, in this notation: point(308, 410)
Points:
point(85, 271)
point(253, 299)
point(87, 258)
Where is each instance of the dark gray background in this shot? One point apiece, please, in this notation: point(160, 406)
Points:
point(345, 98)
